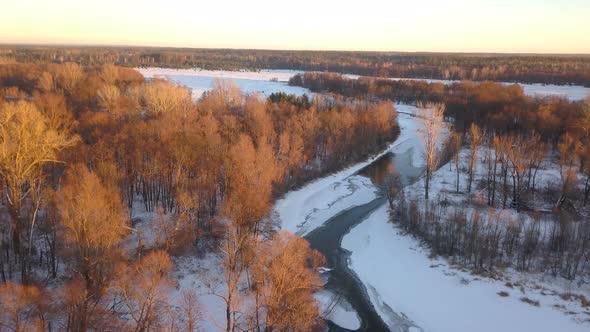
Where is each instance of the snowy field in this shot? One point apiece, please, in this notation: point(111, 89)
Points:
point(264, 82)
point(399, 273)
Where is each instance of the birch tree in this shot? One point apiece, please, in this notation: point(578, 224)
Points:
point(431, 116)
point(27, 144)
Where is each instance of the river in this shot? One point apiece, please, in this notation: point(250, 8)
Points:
point(327, 240)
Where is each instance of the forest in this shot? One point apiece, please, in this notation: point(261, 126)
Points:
point(499, 108)
point(84, 147)
point(524, 68)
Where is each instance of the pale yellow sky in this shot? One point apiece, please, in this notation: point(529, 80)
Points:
point(547, 26)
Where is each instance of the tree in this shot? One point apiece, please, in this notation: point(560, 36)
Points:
point(567, 169)
point(285, 278)
point(457, 142)
point(501, 145)
point(517, 156)
point(46, 82)
point(27, 144)
point(94, 221)
point(142, 288)
point(108, 96)
point(22, 308)
point(431, 116)
point(109, 74)
point(236, 248)
point(390, 185)
point(475, 140)
point(250, 173)
point(189, 305)
point(68, 77)
point(162, 97)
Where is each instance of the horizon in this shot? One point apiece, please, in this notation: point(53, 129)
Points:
point(140, 46)
point(458, 26)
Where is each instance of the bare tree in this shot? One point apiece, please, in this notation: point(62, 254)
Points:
point(567, 169)
point(68, 77)
point(235, 247)
point(27, 144)
point(143, 289)
point(94, 221)
point(517, 154)
point(162, 97)
point(22, 308)
point(286, 278)
point(432, 116)
point(390, 185)
point(475, 139)
point(457, 141)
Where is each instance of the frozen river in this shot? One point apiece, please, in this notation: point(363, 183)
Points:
point(267, 82)
point(264, 82)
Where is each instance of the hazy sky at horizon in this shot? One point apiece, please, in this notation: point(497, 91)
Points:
point(544, 26)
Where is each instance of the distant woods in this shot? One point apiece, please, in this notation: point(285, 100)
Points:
point(549, 69)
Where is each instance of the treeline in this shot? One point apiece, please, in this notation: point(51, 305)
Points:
point(85, 147)
point(490, 241)
point(549, 69)
point(493, 106)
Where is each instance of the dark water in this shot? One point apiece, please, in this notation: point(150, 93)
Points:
point(328, 238)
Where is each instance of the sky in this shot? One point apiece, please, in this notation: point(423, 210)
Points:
point(512, 26)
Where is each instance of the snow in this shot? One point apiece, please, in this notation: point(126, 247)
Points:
point(301, 211)
point(434, 295)
point(304, 210)
point(261, 75)
point(337, 310)
point(400, 274)
point(265, 82)
point(260, 82)
point(571, 92)
point(203, 276)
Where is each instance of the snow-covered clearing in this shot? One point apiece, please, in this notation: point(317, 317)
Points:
point(265, 82)
point(398, 272)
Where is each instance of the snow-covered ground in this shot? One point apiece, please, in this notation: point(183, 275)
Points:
point(261, 75)
point(399, 273)
point(265, 82)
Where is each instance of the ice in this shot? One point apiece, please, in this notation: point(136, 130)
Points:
point(264, 82)
point(337, 310)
